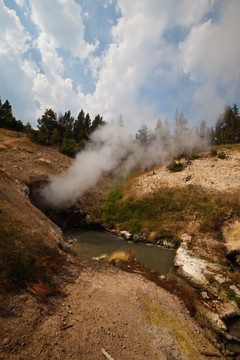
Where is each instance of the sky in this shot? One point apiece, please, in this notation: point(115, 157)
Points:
point(139, 59)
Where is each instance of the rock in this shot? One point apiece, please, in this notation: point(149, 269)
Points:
point(219, 314)
point(217, 322)
point(220, 278)
point(162, 277)
point(136, 237)
point(191, 266)
point(231, 234)
point(204, 295)
point(235, 289)
point(22, 188)
point(168, 244)
point(126, 235)
point(98, 258)
point(185, 241)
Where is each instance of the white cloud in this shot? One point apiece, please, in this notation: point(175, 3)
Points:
point(139, 50)
point(60, 22)
point(21, 3)
point(16, 73)
point(60, 28)
point(14, 39)
point(210, 57)
point(138, 56)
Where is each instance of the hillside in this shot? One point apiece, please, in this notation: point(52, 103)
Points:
point(69, 308)
point(210, 172)
point(26, 234)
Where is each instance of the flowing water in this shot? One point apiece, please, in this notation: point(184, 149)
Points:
point(89, 243)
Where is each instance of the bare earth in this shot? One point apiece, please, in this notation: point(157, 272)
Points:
point(103, 307)
point(211, 173)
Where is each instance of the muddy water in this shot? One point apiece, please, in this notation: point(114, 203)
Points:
point(88, 244)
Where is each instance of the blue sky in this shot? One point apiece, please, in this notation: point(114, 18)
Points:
point(141, 59)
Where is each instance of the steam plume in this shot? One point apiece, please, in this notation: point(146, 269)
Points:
point(109, 148)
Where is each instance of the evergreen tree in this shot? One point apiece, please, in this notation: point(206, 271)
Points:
point(143, 135)
point(65, 123)
point(236, 118)
point(162, 133)
point(78, 127)
point(181, 133)
point(7, 120)
point(6, 108)
point(47, 123)
point(98, 120)
point(227, 128)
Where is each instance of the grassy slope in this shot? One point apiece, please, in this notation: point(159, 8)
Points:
point(167, 213)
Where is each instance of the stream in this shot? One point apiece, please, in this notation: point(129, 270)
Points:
point(89, 243)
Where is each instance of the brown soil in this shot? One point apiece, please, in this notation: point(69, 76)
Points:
point(103, 307)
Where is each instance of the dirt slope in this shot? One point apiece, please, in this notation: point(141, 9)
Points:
point(25, 233)
point(104, 308)
point(212, 173)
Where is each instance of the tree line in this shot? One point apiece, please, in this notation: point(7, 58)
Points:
point(226, 130)
point(71, 135)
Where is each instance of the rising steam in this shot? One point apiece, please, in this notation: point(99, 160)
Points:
point(111, 148)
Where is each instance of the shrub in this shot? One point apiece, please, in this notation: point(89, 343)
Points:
point(222, 155)
point(230, 294)
point(237, 301)
point(193, 156)
point(122, 257)
point(213, 152)
point(175, 167)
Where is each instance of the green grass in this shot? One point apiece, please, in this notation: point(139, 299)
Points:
point(168, 212)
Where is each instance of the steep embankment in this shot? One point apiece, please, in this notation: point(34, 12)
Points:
point(26, 234)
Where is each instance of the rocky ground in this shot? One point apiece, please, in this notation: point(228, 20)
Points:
point(210, 172)
point(101, 307)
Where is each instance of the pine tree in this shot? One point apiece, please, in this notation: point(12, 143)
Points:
point(65, 123)
point(98, 121)
point(181, 133)
point(47, 123)
point(144, 136)
point(78, 127)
